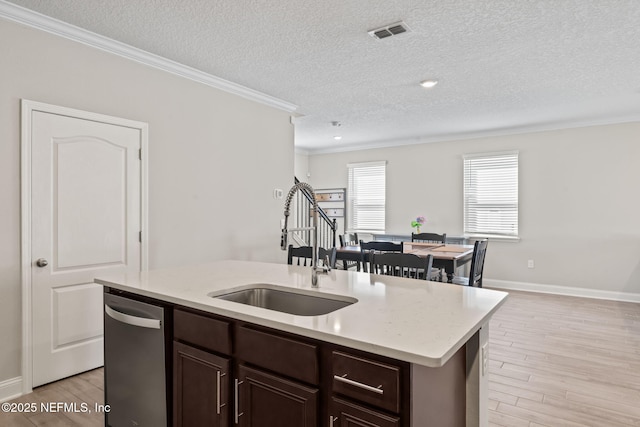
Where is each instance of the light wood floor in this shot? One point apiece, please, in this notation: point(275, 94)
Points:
point(554, 361)
point(564, 361)
point(86, 387)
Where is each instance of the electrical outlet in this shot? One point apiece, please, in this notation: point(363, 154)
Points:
point(530, 263)
point(485, 359)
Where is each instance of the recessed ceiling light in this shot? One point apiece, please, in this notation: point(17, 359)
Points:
point(337, 137)
point(427, 84)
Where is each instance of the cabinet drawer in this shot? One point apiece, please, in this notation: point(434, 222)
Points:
point(344, 414)
point(205, 332)
point(279, 354)
point(366, 380)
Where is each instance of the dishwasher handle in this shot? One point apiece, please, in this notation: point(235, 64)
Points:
point(142, 322)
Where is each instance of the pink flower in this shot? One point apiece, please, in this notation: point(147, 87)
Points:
point(418, 222)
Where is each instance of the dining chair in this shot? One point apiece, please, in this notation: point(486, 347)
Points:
point(304, 254)
point(349, 239)
point(367, 248)
point(431, 238)
point(477, 266)
point(403, 265)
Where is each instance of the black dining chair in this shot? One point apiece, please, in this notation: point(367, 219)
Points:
point(367, 248)
point(349, 239)
point(403, 265)
point(431, 238)
point(477, 266)
point(304, 254)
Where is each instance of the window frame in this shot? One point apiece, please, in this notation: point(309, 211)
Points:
point(502, 206)
point(353, 194)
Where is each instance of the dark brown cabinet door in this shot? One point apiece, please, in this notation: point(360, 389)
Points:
point(345, 414)
point(201, 385)
point(267, 400)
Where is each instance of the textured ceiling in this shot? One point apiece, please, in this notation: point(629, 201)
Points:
point(504, 66)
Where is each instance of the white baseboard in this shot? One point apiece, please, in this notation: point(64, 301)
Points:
point(561, 290)
point(10, 389)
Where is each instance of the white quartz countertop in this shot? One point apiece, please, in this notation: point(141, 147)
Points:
point(412, 320)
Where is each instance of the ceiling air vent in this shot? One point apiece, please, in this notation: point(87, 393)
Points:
point(389, 30)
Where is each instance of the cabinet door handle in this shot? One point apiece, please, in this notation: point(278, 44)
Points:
point(346, 380)
point(237, 414)
point(332, 419)
point(219, 376)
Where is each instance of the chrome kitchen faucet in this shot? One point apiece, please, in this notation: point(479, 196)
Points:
point(315, 268)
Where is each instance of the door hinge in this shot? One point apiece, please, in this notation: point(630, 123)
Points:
point(140, 236)
point(140, 154)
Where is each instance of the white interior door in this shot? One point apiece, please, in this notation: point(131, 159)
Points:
point(85, 222)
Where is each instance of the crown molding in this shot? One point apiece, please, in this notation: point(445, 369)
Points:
point(50, 25)
point(542, 127)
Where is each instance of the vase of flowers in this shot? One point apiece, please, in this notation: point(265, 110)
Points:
point(417, 223)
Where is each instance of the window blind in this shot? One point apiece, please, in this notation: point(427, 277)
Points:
point(491, 194)
point(366, 196)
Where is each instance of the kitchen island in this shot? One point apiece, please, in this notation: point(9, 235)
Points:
point(429, 338)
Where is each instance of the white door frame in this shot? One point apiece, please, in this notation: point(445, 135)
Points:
point(28, 107)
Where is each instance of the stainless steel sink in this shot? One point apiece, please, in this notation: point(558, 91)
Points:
point(286, 301)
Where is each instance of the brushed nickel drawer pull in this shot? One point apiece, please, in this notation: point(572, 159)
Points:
point(332, 420)
point(346, 380)
point(219, 405)
point(237, 414)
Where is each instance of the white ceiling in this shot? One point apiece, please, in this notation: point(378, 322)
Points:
point(504, 66)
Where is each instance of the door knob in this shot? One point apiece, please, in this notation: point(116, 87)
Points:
point(42, 262)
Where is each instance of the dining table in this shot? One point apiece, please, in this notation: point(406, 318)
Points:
point(446, 256)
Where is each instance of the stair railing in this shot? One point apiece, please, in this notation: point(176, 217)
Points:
point(327, 227)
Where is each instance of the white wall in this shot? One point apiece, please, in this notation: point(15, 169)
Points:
point(302, 166)
point(579, 202)
point(214, 158)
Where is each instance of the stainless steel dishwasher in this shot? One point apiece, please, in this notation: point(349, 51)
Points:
point(135, 364)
